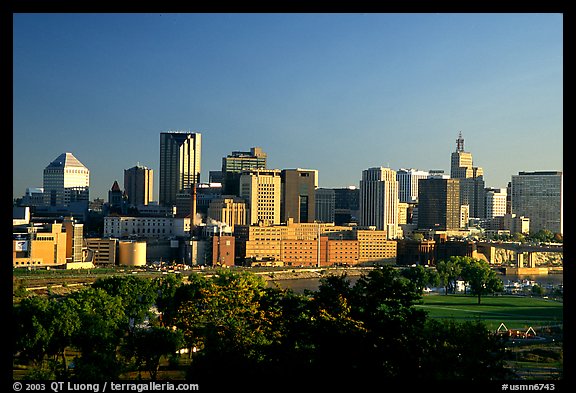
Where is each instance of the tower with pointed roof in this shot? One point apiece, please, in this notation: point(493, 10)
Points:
point(471, 178)
point(116, 199)
point(66, 180)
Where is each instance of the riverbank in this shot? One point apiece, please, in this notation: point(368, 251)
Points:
point(305, 273)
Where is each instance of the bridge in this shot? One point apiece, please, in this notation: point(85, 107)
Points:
point(523, 248)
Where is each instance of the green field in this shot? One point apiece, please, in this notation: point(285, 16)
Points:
point(516, 312)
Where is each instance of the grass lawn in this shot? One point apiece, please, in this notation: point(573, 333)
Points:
point(516, 312)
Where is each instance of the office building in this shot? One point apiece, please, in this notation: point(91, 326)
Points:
point(461, 165)
point(229, 210)
point(127, 227)
point(408, 184)
point(496, 202)
point(347, 205)
point(379, 200)
point(538, 196)
point(40, 248)
point(261, 189)
point(205, 194)
point(179, 164)
point(325, 204)
point(53, 245)
point(298, 195)
point(138, 185)
point(34, 197)
point(439, 204)
point(472, 186)
point(103, 250)
point(66, 181)
point(234, 164)
point(438, 174)
point(312, 244)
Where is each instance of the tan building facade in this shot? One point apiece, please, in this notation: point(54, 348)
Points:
point(298, 195)
point(296, 244)
point(375, 247)
point(229, 210)
point(41, 249)
point(103, 250)
point(261, 189)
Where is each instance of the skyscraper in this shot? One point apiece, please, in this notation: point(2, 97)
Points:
point(298, 195)
point(379, 200)
point(261, 190)
point(235, 163)
point(472, 186)
point(66, 180)
point(346, 205)
point(439, 204)
point(538, 196)
point(138, 185)
point(325, 204)
point(408, 184)
point(180, 153)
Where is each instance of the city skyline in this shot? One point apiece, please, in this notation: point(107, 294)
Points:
point(338, 93)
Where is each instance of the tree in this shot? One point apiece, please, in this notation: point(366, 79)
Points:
point(222, 318)
point(32, 334)
point(103, 324)
point(537, 290)
point(385, 303)
point(166, 287)
point(137, 294)
point(449, 271)
point(421, 276)
point(461, 351)
point(64, 324)
point(148, 346)
point(519, 237)
point(418, 236)
point(481, 278)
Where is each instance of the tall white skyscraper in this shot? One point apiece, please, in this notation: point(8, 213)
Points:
point(379, 200)
point(408, 184)
point(66, 180)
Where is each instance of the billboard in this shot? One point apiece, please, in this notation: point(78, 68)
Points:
point(21, 245)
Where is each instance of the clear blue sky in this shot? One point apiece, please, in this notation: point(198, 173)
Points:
point(339, 93)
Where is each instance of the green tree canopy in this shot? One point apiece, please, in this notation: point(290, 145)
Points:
point(481, 278)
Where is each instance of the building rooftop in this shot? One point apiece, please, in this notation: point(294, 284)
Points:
point(66, 160)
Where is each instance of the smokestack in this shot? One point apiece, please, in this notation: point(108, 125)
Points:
point(193, 208)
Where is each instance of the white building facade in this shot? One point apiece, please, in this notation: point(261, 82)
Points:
point(379, 200)
point(145, 227)
point(495, 202)
point(66, 180)
point(408, 184)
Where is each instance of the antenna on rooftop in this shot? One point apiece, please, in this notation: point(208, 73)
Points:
point(460, 142)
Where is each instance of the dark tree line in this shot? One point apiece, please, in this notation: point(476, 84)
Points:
point(236, 328)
